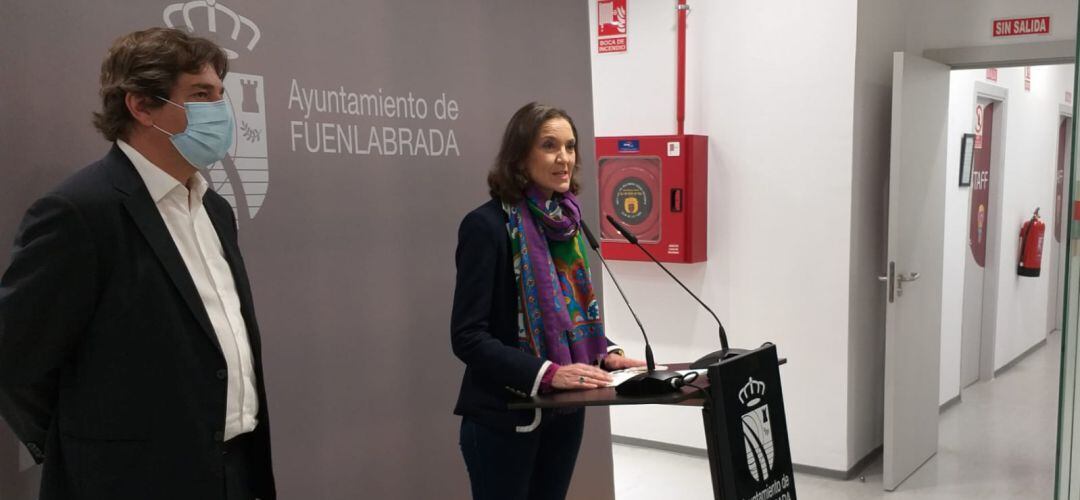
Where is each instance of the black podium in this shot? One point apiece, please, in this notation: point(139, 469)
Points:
point(745, 425)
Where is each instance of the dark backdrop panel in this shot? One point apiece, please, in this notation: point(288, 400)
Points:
point(350, 254)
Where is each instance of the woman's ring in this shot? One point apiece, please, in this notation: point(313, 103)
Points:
point(581, 380)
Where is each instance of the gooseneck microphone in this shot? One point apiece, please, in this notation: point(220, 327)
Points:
point(652, 381)
point(649, 360)
point(708, 359)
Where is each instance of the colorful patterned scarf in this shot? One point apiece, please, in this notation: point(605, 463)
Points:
point(559, 323)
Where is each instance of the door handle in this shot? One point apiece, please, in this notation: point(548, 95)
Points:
point(889, 280)
point(901, 279)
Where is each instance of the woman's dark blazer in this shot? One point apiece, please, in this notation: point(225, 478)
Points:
point(484, 326)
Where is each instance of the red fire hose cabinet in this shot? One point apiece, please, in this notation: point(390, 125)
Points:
point(657, 187)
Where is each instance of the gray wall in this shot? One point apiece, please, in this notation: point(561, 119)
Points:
point(879, 33)
point(350, 255)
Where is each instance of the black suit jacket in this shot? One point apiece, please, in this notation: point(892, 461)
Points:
point(110, 371)
point(484, 325)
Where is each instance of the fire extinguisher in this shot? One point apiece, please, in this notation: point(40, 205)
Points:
point(1031, 244)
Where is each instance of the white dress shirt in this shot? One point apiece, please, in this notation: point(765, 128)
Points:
point(182, 210)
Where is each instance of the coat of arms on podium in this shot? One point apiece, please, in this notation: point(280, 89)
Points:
point(757, 430)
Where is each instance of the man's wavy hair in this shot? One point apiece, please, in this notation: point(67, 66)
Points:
point(149, 63)
point(508, 177)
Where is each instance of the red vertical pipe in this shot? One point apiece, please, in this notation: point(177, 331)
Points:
point(680, 91)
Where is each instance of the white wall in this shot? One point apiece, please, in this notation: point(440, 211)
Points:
point(1030, 165)
point(957, 201)
point(637, 88)
point(942, 24)
point(1030, 162)
point(774, 94)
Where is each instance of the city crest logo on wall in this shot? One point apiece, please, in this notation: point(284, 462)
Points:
point(757, 430)
point(243, 177)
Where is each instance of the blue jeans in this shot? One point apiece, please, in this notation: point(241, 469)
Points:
point(537, 465)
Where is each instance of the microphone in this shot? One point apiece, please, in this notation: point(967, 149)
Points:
point(652, 381)
point(708, 359)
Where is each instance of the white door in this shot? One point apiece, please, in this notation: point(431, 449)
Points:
point(914, 267)
point(1057, 237)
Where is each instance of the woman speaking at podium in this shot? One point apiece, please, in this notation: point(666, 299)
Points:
point(525, 317)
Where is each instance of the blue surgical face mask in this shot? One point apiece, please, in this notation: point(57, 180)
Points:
point(209, 132)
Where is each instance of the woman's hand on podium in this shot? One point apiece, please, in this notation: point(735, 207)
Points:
point(579, 376)
point(615, 361)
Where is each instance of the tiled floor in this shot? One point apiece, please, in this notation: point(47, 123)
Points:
point(998, 443)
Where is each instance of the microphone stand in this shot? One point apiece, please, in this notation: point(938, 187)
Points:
point(708, 359)
point(653, 381)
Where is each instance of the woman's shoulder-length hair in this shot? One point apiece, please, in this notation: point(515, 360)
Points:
point(508, 178)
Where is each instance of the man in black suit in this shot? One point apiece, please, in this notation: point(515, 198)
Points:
point(129, 353)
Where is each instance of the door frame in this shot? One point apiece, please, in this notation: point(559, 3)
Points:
point(994, 225)
point(1056, 309)
point(1038, 53)
point(988, 292)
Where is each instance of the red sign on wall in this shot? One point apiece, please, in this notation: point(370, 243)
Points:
point(1022, 26)
point(991, 74)
point(978, 126)
point(611, 25)
point(980, 184)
